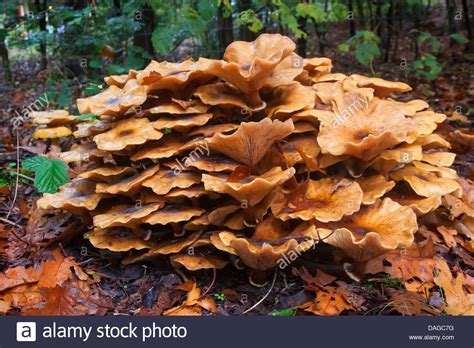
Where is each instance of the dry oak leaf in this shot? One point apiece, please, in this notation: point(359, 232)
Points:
point(384, 225)
point(328, 302)
point(251, 141)
point(132, 131)
point(17, 276)
point(73, 298)
point(193, 305)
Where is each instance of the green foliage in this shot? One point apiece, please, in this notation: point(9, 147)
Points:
point(249, 19)
point(426, 67)
point(285, 312)
point(50, 175)
point(365, 45)
point(459, 38)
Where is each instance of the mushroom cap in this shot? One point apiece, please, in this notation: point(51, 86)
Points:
point(251, 189)
point(132, 131)
point(166, 148)
point(381, 87)
point(251, 141)
point(374, 187)
point(325, 200)
point(114, 100)
point(287, 99)
point(197, 262)
point(178, 107)
point(52, 133)
point(181, 123)
point(172, 214)
point(76, 195)
point(261, 253)
point(52, 117)
point(118, 239)
point(128, 186)
point(376, 228)
point(424, 182)
point(126, 215)
point(107, 174)
point(162, 182)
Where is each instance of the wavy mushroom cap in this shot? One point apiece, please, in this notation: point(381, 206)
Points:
point(128, 186)
point(250, 189)
point(132, 131)
point(162, 182)
point(52, 133)
point(77, 195)
point(197, 262)
point(114, 100)
point(251, 141)
point(126, 215)
point(179, 107)
point(173, 214)
point(325, 200)
point(285, 100)
point(183, 122)
point(374, 187)
point(385, 225)
point(118, 239)
point(52, 117)
point(270, 246)
point(108, 174)
point(381, 87)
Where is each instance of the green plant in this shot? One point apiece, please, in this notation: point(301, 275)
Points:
point(50, 174)
point(365, 44)
point(285, 312)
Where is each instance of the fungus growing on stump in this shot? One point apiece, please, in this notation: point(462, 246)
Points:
point(258, 156)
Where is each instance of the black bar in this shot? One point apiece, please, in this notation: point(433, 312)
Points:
point(326, 332)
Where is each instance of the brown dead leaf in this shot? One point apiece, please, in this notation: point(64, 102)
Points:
point(330, 301)
point(194, 303)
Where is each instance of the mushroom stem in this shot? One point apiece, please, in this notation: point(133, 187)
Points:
point(177, 230)
point(249, 217)
point(258, 278)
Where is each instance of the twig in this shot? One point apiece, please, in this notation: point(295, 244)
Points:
point(212, 283)
point(17, 174)
point(25, 177)
point(10, 222)
point(266, 295)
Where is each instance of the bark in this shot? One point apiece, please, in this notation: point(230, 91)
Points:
point(450, 13)
point(41, 7)
point(301, 42)
point(245, 33)
point(379, 19)
point(5, 62)
point(142, 38)
point(389, 30)
point(360, 10)
point(371, 14)
point(467, 21)
point(350, 7)
point(225, 29)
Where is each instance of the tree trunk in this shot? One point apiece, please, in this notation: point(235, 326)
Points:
point(5, 62)
point(450, 4)
point(371, 14)
point(389, 30)
point(301, 42)
point(360, 9)
point(467, 21)
point(225, 29)
point(41, 12)
point(142, 38)
point(117, 8)
point(245, 33)
point(350, 7)
point(379, 19)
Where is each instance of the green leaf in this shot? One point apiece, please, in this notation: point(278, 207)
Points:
point(459, 38)
point(285, 312)
point(344, 47)
point(96, 63)
point(65, 94)
point(50, 175)
point(366, 52)
point(162, 39)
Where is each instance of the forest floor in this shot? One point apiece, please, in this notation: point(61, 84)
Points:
point(91, 281)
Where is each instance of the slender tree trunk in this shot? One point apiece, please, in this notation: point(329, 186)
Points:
point(389, 30)
point(244, 32)
point(225, 29)
point(301, 42)
point(379, 19)
point(41, 12)
point(450, 6)
point(117, 8)
point(5, 61)
point(360, 10)
point(350, 7)
point(142, 38)
point(467, 21)
point(371, 14)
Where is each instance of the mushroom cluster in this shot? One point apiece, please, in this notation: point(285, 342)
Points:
point(260, 155)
